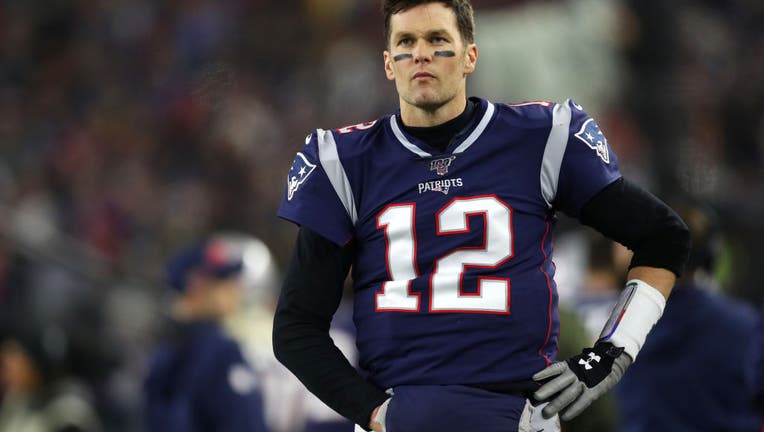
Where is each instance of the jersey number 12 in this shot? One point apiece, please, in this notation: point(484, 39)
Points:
point(446, 293)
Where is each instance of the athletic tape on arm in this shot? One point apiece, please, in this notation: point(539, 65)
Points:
point(638, 309)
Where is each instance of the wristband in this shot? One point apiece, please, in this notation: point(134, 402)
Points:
point(638, 309)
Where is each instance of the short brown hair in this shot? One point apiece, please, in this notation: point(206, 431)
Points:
point(465, 19)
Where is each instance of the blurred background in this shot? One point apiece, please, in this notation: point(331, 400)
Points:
point(131, 127)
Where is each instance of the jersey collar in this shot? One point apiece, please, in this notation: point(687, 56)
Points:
point(416, 146)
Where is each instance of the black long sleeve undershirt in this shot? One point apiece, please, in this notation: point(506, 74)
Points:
point(313, 288)
point(310, 295)
point(635, 218)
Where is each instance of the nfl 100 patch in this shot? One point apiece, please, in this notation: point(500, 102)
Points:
point(440, 166)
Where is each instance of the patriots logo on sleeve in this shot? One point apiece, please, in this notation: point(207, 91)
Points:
point(301, 169)
point(591, 134)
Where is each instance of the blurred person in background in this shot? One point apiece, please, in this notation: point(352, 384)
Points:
point(199, 379)
point(289, 407)
point(606, 266)
point(437, 208)
point(690, 373)
point(38, 392)
point(581, 318)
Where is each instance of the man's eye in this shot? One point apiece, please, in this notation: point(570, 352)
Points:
point(405, 41)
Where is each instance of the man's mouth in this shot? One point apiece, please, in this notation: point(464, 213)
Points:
point(423, 75)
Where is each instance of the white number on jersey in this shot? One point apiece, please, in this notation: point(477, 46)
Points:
point(446, 293)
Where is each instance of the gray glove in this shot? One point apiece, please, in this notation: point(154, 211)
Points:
point(572, 385)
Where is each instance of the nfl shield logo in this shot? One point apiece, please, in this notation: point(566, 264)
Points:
point(440, 166)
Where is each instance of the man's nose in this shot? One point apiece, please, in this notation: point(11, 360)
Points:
point(422, 54)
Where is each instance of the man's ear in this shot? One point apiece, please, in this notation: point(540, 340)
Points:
point(389, 72)
point(470, 58)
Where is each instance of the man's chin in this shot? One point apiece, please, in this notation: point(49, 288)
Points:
point(428, 103)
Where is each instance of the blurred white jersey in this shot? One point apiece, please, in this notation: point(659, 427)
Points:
point(288, 404)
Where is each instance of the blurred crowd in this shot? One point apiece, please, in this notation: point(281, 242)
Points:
point(129, 128)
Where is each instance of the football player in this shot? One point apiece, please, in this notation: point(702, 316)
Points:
point(445, 211)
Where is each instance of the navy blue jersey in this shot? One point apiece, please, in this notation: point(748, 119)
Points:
point(453, 275)
point(201, 382)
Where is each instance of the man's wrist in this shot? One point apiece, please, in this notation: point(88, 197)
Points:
point(373, 416)
point(378, 415)
point(637, 311)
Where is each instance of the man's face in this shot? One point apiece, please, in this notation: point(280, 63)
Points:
point(426, 57)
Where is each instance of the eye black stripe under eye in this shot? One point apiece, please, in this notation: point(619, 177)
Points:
point(400, 57)
point(444, 54)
